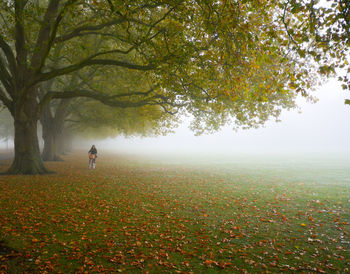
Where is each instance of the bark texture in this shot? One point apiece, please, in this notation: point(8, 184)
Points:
point(27, 153)
point(50, 150)
point(50, 135)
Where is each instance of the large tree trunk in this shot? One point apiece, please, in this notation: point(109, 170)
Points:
point(20, 82)
point(27, 153)
point(50, 152)
point(52, 121)
point(50, 136)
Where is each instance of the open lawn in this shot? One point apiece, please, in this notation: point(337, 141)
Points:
point(146, 215)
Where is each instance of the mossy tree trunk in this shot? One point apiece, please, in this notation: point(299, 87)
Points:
point(50, 135)
point(50, 151)
point(53, 121)
point(21, 81)
point(27, 153)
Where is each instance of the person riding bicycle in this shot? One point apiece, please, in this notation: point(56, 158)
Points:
point(92, 157)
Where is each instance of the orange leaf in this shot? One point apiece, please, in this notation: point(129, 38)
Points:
point(208, 262)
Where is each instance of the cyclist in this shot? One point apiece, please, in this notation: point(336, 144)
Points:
point(92, 157)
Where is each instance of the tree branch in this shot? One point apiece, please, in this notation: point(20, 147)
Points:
point(61, 111)
point(88, 62)
point(78, 31)
point(44, 39)
point(105, 99)
point(21, 51)
point(136, 93)
point(85, 79)
point(168, 111)
point(346, 16)
point(89, 29)
point(156, 99)
point(6, 101)
point(9, 56)
point(5, 77)
point(128, 94)
point(286, 25)
point(5, 22)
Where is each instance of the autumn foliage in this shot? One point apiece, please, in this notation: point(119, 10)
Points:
point(141, 215)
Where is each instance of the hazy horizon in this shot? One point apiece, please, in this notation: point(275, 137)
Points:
point(321, 127)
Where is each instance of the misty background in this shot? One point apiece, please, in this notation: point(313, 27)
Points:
point(320, 128)
point(315, 128)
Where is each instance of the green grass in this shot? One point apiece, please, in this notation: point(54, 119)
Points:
point(142, 214)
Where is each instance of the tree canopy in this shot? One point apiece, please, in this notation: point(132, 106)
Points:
point(320, 31)
point(220, 61)
point(179, 42)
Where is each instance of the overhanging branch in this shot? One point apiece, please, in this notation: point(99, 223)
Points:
point(127, 94)
point(6, 101)
point(286, 26)
point(88, 62)
point(86, 30)
point(9, 56)
point(51, 33)
point(5, 77)
point(43, 43)
point(156, 99)
point(105, 99)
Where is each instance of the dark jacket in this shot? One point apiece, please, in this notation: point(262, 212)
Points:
point(93, 151)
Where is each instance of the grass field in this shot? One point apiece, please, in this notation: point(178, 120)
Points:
point(169, 215)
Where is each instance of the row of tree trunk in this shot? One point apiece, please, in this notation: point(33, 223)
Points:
point(57, 141)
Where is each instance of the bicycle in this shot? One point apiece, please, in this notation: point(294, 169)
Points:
point(92, 161)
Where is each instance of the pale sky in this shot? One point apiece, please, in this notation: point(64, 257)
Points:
point(322, 127)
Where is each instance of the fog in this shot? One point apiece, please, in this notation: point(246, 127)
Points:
point(315, 128)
